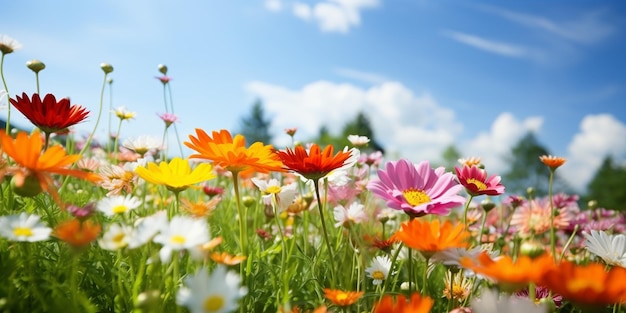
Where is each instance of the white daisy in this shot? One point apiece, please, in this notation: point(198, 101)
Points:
point(491, 302)
point(116, 237)
point(147, 227)
point(379, 269)
point(142, 144)
point(114, 205)
point(23, 227)
point(182, 233)
point(358, 141)
point(354, 214)
point(284, 195)
point(218, 293)
point(610, 248)
point(8, 44)
point(123, 114)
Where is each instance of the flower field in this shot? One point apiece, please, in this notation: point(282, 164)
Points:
point(242, 226)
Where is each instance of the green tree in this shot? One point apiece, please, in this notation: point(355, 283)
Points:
point(608, 186)
point(256, 126)
point(360, 126)
point(450, 156)
point(526, 170)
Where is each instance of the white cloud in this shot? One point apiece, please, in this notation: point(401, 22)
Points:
point(409, 125)
point(334, 15)
point(367, 77)
point(273, 5)
point(501, 48)
point(493, 146)
point(600, 135)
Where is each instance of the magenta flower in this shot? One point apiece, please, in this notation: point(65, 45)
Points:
point(475, 181)
point(417, 189)
point(168, 118)
point(164, 79)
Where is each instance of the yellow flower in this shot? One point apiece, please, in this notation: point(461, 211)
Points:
point(176, 175)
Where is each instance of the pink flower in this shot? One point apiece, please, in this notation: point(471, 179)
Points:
point(168, 118)
point(164, 79)
point(475, 181)
point(417, 189)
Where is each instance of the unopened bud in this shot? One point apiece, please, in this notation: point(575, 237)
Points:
point(35, 65)
point(592, 204)
point(106, 67)
point(532, 249)
point(29, 187)
point(487, 205)
point(248, 201)
point(163, 69)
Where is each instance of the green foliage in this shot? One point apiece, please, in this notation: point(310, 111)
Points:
point(256, 126)
point(608, 186)
point(525, 168)
point(450, 156)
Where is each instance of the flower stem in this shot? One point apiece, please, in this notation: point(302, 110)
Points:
point(117, 139)
point(324, 230)
point(465, 209)
point(95, 128)
point(552, 214)
point(4, 82)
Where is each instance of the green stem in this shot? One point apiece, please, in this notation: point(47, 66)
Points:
point(465, 209)
point(180, 146)
point(37, 80)
point(242, 235)
point(285, 291)
point(552, 214)
point(95, 128)
point(482, 228)
point(117, 139)
point(4, 82)
point(324, 230)
point(110, 110)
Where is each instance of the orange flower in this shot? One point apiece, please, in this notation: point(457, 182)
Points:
point(587, 285)
point(510, 275)
point(315, 163)
point(232, 154)
point(37, 167)
point(342, 298)
point(418, 304)
point(200, 208)
point(76, 233)
point(227, 259)
point(431, 237)
point(553, 162)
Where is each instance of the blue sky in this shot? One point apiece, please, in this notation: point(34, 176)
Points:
point(428, 73)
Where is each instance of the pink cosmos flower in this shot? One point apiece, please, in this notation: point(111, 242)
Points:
point(475, 181)
point(168, 118)
point(417, 189)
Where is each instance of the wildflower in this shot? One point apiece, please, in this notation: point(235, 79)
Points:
point(342, 298)
point(117, 178)
point(50, 115)
point(315, 163)
point(8, 44)
point(542, 294)
point(123, 114)
point(82, 213)
point(162, 68)
point(589, 285)
point(471, 161)
point(372, 159)
point(212, 191)
point(417, 189)
point(168, 119)
point(291, 131)
point(200, 208)
point(610, 248)
point(142, 144)
point(354, 214)
point(457, 287)
point(379, 269)
point(271, 189)
point(36, 168)
point(430, 237)
point(453, 256)
point(226, 258)
point(216, 293)
point(116, 237)
point(106, 68)
point(553, 162)
point(23, 227)
point(115, 205)
point(176, 175)
point(35, 65)
point(358, 141)
point(147, 227)
point(509, 274)
point(231, 153)
point(476, 183)
point(181, 233)
point(76, 233)
point(164, 79)
point(418, 304)
point(533, 217)
point(490, 302)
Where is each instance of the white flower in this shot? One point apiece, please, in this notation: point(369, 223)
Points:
point(284, 195)
point(142, 144)
point(358, 141)
point(124, 114)
point(146, 228)
point(355, 213)
point(218, 293)
point(453, 256)
point(610, 248)
point(118, 204)
point(490, 302)
point(23, 227)
point(182, 233)
point(379, 269)
point(116, 237)
point(8, 44)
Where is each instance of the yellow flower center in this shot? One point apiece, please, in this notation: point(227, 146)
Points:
point(273, 189)
point(119, 209)
point(342, 296)
point(579, 284)
point(415, 197)
point(379, 275)
point(177, 239)
point(119, 238)
point(480, 185)
point(22, 232)
point(213, 303)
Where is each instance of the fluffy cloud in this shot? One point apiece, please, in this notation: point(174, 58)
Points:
point(273, 5)
point(600, 135)
point(334, 15)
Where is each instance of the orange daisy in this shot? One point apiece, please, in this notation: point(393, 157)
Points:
point(342, 298)
point(76, 233)
point(315, 163)
point(431, 237)
point(418, 304)
point(36, 168)
point(553, 162)
point(588, 285)
point(232, 154)
point(508, 274)
point(200, 208)
point(226, 258)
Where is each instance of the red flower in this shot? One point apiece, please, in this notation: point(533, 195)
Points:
point(314, 164)
point(475, 181)
point(50, 115)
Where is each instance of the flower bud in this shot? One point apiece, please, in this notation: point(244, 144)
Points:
point(532, 249)
point(148, 300)
point(592, 204)
point(163, 69)
point(35, 65)
point(106, 67)
point(30, 187)
point(487, 205)
point(248, 201)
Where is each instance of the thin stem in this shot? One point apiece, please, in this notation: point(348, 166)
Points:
point(552, 214)
point(4, 82)
point(37, 81)
point(283, 260)
point(110, 110)
point(242, 234)
point(117, 139)
point(95, 128)
point(328, 245)
point(482, 227)
point(180, 146)
point(466, 208)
